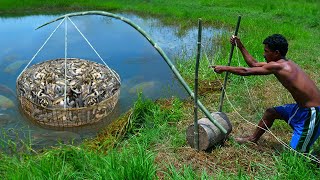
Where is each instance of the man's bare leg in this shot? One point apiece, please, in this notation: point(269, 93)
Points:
point(265, 123)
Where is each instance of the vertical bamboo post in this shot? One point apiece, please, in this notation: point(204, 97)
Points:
point(196, 126)
point(227, 73)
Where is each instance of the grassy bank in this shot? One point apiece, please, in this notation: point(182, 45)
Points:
point(151, 147)
point(149, 141)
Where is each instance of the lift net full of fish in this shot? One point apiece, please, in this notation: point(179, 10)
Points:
point(68, 92)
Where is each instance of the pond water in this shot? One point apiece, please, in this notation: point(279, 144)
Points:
point(124, 49)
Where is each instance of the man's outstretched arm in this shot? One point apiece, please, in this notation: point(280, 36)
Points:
point(269, 68)
point(246, 55)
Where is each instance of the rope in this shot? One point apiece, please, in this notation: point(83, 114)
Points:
point(310, 157)
point(40, 48)
point(66, 53)
point(94, 50)
point(65, 63)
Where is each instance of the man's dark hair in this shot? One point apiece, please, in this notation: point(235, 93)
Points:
point(277, 42)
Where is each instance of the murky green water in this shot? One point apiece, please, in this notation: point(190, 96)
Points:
point(123, 48)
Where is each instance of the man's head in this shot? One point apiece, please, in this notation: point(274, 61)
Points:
point(276, 47)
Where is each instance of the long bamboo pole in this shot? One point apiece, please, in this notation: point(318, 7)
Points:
point(196, 125)
point(227, 73)
point(164, 56)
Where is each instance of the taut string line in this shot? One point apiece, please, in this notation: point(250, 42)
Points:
point(41, 47)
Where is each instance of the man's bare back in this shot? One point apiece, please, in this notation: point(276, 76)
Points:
point(297, 82)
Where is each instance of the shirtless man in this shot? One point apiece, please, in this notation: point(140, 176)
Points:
point(304, 115)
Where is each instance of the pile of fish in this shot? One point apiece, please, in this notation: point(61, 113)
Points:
point(83, 84)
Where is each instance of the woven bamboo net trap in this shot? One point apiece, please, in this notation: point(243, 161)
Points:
point(68, 92)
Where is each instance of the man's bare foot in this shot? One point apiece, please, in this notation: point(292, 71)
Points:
point(243, 140)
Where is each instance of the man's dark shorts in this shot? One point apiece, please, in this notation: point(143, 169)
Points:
point(305, 123)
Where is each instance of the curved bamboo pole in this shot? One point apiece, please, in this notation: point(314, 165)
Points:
point(161, 52)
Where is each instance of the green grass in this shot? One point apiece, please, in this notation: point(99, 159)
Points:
point(70, 162)
point(151, 133)
point(152, 124)
point(293, 166)
point(150, 139)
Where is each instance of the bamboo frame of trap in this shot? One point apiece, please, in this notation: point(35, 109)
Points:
point(160, 51)
point(168, 61)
